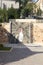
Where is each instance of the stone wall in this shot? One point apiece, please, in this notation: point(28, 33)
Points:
point(4, 31)
point(6, 26)
point(38, 32)
point(3, 35)
point(31, 29)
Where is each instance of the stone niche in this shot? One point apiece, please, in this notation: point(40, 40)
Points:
point(25, 26)
point(3, 35)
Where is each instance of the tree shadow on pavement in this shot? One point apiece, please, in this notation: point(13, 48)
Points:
point(16, 54)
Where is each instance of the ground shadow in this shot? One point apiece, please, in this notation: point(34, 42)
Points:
point(16, 54)
point(12, 39)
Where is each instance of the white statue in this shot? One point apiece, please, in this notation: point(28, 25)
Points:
point(20, 37)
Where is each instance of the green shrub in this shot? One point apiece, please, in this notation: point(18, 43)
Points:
point(1, 45)
point(39, 12)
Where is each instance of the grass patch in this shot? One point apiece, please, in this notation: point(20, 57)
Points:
point(5, 48)
point(2, 48)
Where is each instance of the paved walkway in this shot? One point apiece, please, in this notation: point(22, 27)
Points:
point(30, 55)
point(23, 45)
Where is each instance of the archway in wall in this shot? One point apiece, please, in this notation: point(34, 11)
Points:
point(27, 30)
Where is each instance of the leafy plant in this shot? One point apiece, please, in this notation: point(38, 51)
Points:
point(39, 12)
